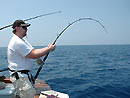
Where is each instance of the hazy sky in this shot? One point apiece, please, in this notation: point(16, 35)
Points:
point(113, 14)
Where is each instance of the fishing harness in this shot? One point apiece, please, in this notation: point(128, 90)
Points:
point(27, 72)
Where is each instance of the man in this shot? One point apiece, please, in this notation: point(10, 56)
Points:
point(20, 55)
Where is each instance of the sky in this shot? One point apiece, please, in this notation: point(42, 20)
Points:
point(113, 14)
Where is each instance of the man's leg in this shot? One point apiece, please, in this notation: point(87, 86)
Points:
point(24, 88)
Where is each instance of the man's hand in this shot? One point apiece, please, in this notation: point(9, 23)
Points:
point(51, 47)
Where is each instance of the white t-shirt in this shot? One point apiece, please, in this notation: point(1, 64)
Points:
point(17, 50)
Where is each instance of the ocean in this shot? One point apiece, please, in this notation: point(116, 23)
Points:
point(85, 71)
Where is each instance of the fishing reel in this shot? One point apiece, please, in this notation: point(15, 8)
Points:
point(39, 61)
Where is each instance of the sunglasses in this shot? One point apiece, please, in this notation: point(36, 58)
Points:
point(24, 27)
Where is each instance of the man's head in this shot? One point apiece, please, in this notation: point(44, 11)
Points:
point(20, 23)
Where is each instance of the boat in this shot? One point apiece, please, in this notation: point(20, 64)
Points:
point(43, 90)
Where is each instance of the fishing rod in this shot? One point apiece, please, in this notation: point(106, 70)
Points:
point(32, 18)
point(42, 62)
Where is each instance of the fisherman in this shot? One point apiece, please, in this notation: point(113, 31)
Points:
point(20, 59)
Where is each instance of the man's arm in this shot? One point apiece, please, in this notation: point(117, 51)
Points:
point(37, 53)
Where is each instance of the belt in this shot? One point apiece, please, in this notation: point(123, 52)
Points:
point(30, 77)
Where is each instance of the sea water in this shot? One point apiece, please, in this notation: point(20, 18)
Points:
point(85, 71)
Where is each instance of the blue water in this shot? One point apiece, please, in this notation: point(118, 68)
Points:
point(89, 71)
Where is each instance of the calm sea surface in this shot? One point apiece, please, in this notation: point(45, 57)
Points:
point(97, 71)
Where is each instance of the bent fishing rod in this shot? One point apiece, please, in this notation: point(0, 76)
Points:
point(32, 18)
point(42, 62)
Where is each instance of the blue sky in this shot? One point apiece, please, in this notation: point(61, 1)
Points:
point(114, 14)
